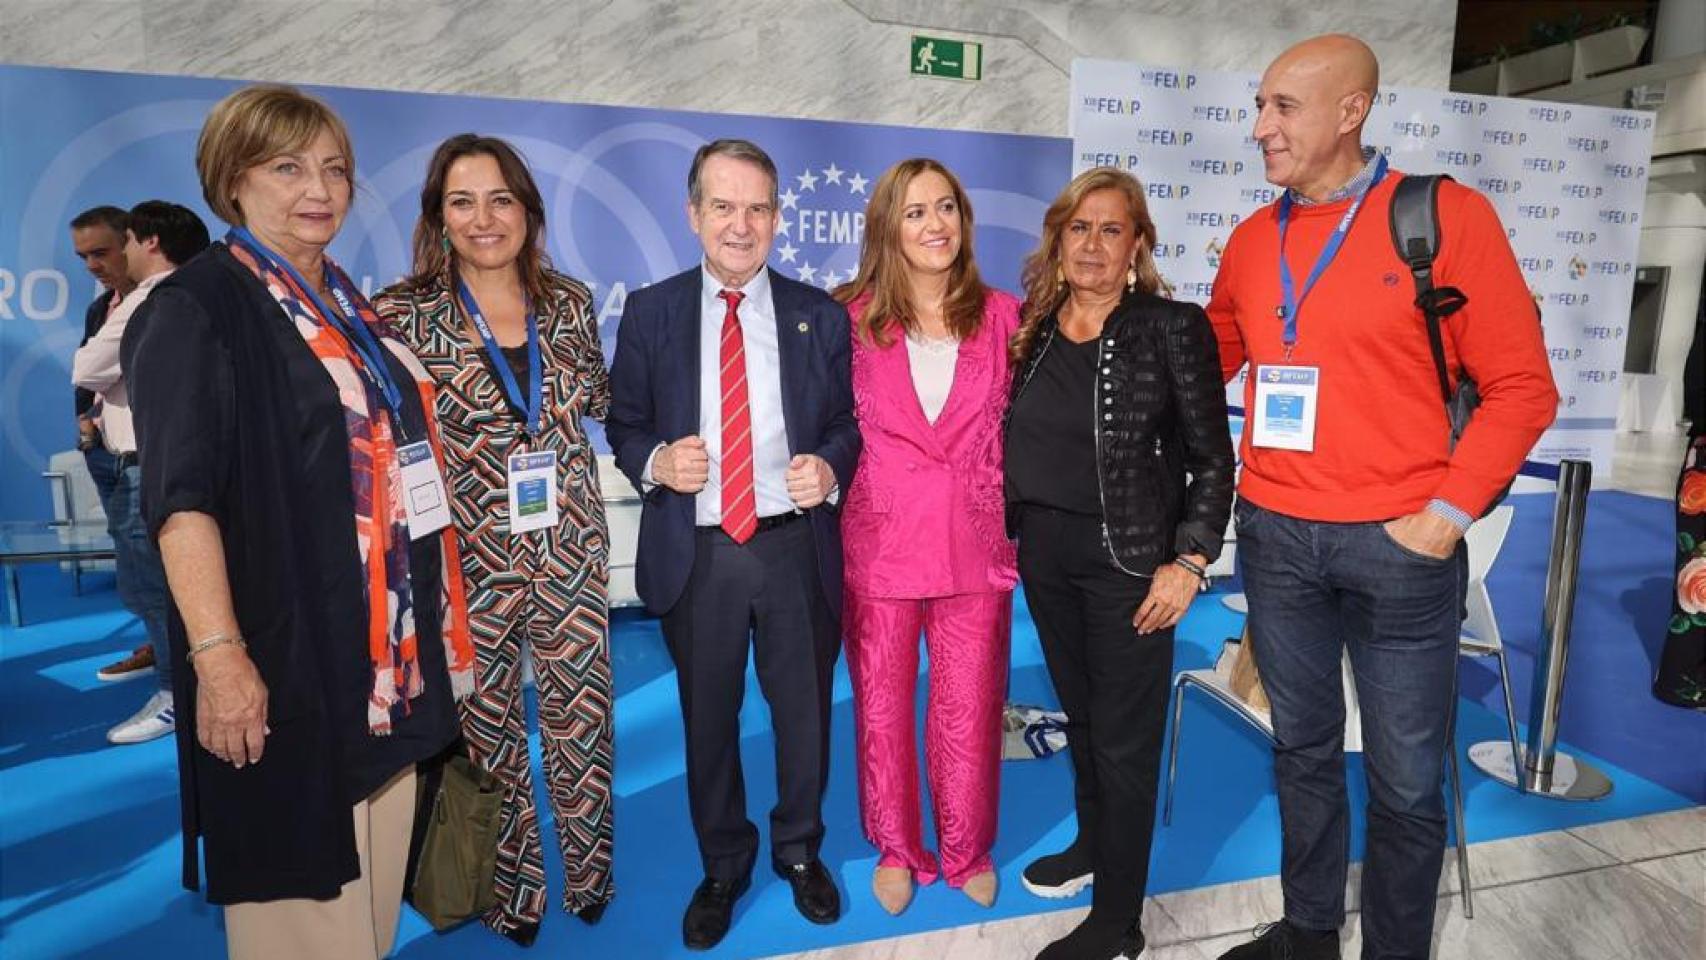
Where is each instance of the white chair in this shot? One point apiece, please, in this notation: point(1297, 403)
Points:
point(1480, 636)
point(75, 501)
point(622, 518)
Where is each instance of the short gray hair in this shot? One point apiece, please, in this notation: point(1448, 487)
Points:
point(736, 149)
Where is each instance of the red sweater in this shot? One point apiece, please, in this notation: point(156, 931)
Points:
point(1382, 440)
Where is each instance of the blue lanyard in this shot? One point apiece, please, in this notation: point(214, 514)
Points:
point(533, 404)
point(1288, 312)
point(348, 322)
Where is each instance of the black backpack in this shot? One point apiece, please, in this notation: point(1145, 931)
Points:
point(1415, 233)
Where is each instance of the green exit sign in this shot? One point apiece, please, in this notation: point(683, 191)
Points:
point(941, 57)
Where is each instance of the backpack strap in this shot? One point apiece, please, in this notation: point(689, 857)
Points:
point(1415, 235)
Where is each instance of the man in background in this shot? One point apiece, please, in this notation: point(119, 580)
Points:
point(159, 237)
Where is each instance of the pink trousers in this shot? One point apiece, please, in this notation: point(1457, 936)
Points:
point(967, 638)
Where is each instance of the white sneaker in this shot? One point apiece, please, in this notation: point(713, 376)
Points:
point(154, 720)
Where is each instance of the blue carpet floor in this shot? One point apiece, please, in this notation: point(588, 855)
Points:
point(89, 840)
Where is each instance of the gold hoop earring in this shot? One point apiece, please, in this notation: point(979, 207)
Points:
point(1131, 279)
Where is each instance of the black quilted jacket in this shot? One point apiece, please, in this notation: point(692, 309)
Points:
point(1162, 440)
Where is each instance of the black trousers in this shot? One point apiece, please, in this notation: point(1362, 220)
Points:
point(1112, 683)
point(765, 594)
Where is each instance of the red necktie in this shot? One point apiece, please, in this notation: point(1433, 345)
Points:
point(740, 503)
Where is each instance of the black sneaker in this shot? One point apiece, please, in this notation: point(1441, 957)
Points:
point(1059, 875)
point(1282, 941)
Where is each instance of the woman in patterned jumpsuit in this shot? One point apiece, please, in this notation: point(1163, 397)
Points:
point(515, 353)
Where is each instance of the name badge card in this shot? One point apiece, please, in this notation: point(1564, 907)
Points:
point(532, 491)
point(424, 500)
point(1285, 407)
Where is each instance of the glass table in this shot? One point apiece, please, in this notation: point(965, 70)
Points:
point(45, 541)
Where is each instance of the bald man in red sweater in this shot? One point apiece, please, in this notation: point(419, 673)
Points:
point(1353, 501)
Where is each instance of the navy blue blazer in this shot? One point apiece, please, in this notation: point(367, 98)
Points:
point(654, 386)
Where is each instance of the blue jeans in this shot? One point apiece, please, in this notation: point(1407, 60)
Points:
point(141, 577)
point(1315, 590)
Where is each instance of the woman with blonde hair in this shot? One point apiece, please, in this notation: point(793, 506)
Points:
point(922, 531)
point(1117, 400)
point(320, 614)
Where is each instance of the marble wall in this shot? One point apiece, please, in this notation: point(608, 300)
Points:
point(825, 59)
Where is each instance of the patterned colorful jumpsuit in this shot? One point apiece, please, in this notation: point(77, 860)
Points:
point(545, 588)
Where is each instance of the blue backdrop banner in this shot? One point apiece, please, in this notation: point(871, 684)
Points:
point(613, 178)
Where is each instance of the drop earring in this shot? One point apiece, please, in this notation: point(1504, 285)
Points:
point(1059, 276)
point(444, 240)
point(1131, 279)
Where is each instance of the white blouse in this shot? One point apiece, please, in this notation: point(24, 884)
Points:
point(932, 362)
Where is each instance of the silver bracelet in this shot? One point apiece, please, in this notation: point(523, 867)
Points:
point(202, 646)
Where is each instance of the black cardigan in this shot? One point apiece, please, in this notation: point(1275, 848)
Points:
point(1165, 460)
point(235, 418)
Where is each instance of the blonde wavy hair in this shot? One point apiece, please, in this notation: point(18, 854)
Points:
point(1044, 282)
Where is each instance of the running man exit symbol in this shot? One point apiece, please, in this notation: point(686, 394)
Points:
point(951, 59)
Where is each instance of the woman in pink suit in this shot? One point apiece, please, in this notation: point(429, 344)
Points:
point(923, 532)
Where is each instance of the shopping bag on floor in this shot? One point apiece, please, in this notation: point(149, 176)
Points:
point(1245, 681)
point(1031, 733)
point(458, 846)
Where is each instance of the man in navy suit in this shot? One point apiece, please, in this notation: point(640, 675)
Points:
point(732, 411)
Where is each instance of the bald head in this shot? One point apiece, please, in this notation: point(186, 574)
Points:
point(1310, 110)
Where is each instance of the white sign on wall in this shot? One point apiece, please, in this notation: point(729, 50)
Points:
point(1567, 181)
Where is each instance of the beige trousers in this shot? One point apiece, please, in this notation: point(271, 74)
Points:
point(361, 923)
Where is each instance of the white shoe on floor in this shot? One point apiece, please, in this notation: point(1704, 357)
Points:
point(154, 720)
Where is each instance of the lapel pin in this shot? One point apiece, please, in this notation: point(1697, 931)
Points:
point(804, 327)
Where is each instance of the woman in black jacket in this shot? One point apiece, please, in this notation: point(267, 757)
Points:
point(1119, 482)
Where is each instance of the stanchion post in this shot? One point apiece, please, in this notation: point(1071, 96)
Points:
point(1542, 770)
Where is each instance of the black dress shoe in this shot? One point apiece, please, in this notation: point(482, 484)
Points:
point(708, 913)
point(814, 892)
point(591, 913)
point(523, 934)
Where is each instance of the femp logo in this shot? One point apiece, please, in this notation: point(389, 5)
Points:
point(1463, 106)
point(1575, 238)
point(1535, 264)
point(1627, 121)
point(1597, 331)
point(1215, 167)
point(1549, 114)
point(1596, 376)
point(1456, 158)
point(1587, 144)
point(1544, 164)
point(1196, 290)
point(1581, 191)
point(1116, 106)
point(1564, 354)
point(1610, 268)
point(1164, 137)
point(819, 223)
point(1578, 267)
point(1161, 190)
point(1499, 137)
point(1498, 185)
point(1612, 215)
point(1259, 194)
point(1625, 171)
point(1568, 299)
point(1537, 211)
point(1169, 251)
point(1415, 129)
point(1125, 161)
point(1168, 79)
point(1210, 218)
point(1218, 113)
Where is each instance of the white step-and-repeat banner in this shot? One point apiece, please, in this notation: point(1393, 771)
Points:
point(1567, 180)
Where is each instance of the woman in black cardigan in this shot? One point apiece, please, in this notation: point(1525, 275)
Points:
point(275, 417)
point(1117, 398)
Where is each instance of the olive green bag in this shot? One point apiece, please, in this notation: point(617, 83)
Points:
point(458, 848)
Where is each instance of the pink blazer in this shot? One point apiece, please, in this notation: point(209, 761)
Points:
point(924, 517)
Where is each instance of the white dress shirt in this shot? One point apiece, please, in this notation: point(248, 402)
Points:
point(95, 367)
point(770, 453)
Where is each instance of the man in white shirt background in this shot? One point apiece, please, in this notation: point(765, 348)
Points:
point(160, 237)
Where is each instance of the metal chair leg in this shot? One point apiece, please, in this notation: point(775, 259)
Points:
point(1510, 719)
point(1456, 774)
point(1173, 750)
